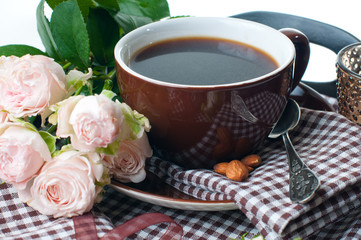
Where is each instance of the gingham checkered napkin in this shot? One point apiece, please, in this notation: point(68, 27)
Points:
point(327, 142)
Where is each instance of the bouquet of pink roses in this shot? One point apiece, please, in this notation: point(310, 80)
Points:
point(64, 133)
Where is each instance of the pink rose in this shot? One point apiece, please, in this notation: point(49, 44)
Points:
point(91, 121)
point(66, 185)
point(127, 165)
point(30, 84)
point(22, 154)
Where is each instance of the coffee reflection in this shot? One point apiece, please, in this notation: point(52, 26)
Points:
point(239, 118)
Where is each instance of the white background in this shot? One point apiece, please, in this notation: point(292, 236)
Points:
point(18, 24)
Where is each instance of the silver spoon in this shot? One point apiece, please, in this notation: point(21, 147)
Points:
point(303, 181)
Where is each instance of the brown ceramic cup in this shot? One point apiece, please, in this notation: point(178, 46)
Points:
point(196, 126)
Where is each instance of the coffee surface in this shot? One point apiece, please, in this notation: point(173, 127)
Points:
point(201, 61)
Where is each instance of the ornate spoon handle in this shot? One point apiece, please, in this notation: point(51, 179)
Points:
point(303, 181)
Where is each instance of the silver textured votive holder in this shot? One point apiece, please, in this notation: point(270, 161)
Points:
point(349, 82)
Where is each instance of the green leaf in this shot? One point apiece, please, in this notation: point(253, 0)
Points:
point(135, 13)
point(45, 33)
point(70, 34)
point(111, 149)
point(103, 35)
point(110, 5)
point(54, 3)
point(64, 148)
point(50, 140)
point(19, 50)
point(84, 5)
point(129, 23)
point(153, 9)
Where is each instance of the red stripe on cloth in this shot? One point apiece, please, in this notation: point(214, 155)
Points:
point(84, 227)
point(173, 232)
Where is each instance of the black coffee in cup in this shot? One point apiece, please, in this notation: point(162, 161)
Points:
point(201, 61)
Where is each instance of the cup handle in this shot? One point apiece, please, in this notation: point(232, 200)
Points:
point(302, 47)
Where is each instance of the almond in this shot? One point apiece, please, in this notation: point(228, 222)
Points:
point(221, 168)
point(236, 171)
point(252, 160)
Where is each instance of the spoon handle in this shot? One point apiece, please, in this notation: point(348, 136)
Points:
point(303, 181)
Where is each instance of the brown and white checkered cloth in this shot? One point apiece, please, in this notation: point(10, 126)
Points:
point(328, 143)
